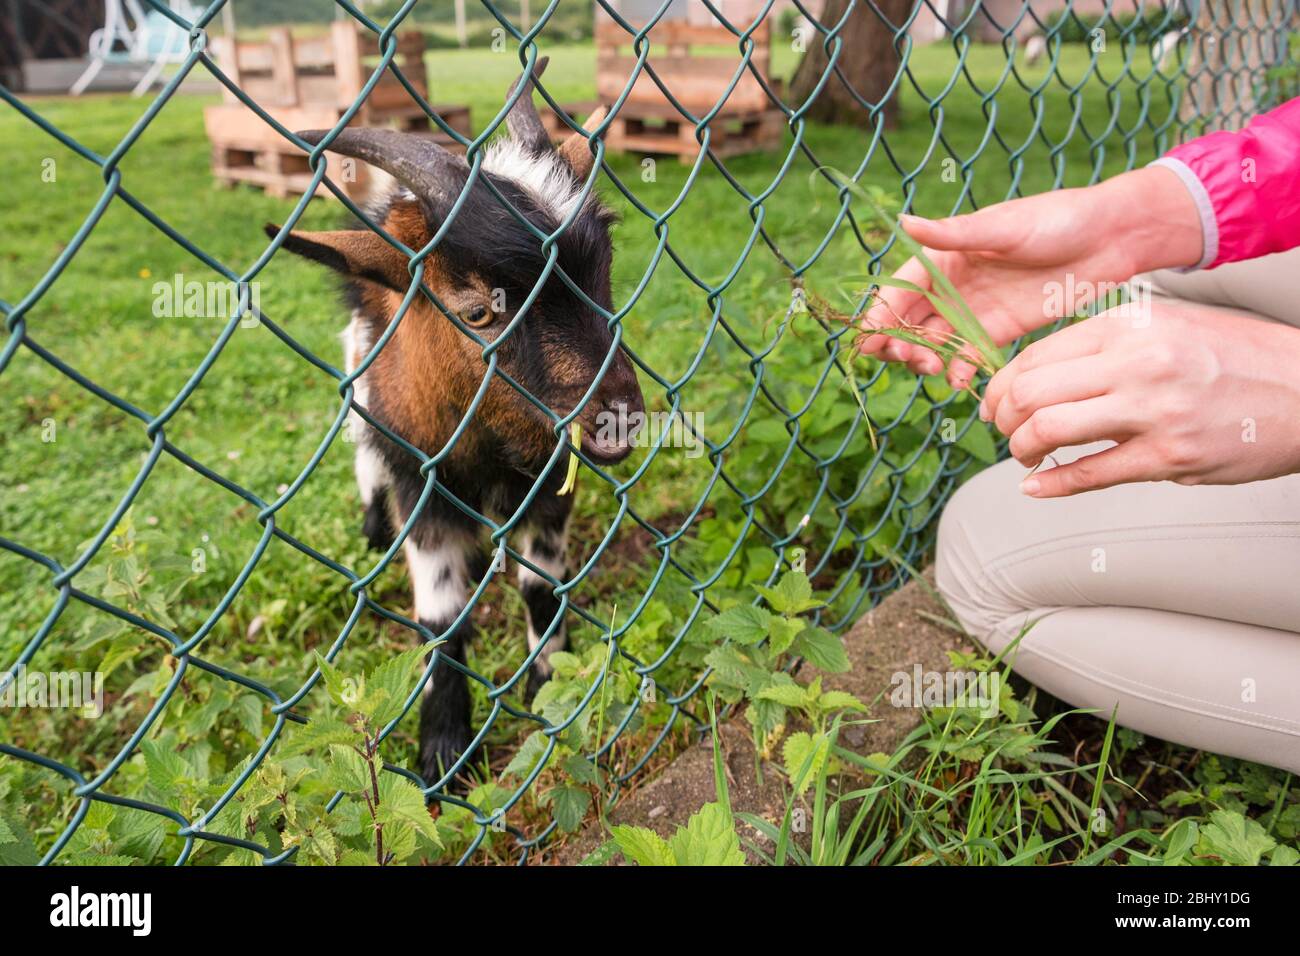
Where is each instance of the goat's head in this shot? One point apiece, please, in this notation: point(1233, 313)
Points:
point(483, 270)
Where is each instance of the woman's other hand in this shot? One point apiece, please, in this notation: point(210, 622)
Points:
point(1190, 394)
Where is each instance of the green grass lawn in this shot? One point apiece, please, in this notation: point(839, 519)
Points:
point(261, 412)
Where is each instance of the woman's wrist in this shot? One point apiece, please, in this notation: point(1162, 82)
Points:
point(1151, 213)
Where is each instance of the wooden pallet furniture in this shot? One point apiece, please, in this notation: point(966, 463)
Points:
point(697, 63)
point(308, 83)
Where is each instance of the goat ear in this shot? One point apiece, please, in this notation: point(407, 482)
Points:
point(353, 252)
point(576, 151)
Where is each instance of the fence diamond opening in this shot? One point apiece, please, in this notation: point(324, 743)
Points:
point(788, 474)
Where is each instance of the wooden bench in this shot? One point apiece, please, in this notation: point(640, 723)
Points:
point(308, 83)
point(697, 64)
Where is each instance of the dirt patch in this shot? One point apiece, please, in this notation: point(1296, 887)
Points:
point(898, 635)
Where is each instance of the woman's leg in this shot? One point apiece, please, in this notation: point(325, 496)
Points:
point(1178, 604)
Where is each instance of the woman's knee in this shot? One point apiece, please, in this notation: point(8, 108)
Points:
point(967, 536)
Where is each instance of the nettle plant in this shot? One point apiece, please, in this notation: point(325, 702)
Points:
point(396, 824)
point(588, 694)
point(760, 646)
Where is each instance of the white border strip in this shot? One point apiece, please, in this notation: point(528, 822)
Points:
point(1204, 208)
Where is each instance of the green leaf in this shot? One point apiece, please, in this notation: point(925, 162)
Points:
point(341, 690)
point(95, 858)
point(788, 695)
point(792, 594)
point(391, 683)
point(708, 839)
point(120, 651)
point(978, 441)
point(1180, 840)
point(745, 624)
point(348, 770)
point(167, 770)
point(643, 847)
point(732, 668)
point(834, 700)
point(568, 807)
point(317, 735)
point(823, 650)
point(601, 855)
point(1235, 839)
point(526, 757)
point(580, 769)
point(248, 710)
point(784, 631)
point(401, 801)
point(565, 664)
point(358, 858)
point(1283, 855)
point(20, 851)
point(804, 756)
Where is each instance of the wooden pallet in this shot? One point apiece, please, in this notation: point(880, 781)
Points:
point(698, 64)
point(660, 130)
point(308, 83)
point(256, 155)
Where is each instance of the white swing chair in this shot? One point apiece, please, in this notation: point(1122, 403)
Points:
point(143, 37)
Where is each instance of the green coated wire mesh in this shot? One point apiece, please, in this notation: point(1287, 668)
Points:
point(1026, 96)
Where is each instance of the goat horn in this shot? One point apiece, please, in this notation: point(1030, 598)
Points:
point(421, 165)
point(524, 123)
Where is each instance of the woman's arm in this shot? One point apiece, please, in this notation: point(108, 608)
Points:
point(1220, 198)
point(1245, 186)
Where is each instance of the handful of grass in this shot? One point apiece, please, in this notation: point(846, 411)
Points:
point(968, 335)
point(968, 340)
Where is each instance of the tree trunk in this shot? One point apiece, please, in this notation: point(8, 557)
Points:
point(866, 65)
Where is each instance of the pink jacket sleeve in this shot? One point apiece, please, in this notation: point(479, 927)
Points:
point(1246, 186)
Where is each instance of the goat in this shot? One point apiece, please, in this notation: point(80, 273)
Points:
point(422, 383)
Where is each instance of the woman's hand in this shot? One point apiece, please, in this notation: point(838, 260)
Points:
point(1191, 394)
point(1007, 260)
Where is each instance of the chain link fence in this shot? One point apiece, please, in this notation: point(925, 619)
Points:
point(1056, 94)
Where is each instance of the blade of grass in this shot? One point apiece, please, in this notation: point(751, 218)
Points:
point(571, 477)
point(1103, 764)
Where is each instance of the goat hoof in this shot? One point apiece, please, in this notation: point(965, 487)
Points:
point(376, 526)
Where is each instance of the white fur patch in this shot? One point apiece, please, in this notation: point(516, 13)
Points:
point(372, 471)
point(440, 579)
point(546, 176)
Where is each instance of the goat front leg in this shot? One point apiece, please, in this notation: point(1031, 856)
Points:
point(545, 545)
point(374, 479)
point(442, 560)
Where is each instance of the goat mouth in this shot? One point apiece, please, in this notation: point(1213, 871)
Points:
point(600, 447)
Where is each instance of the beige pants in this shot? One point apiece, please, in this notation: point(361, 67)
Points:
point(1178, 605)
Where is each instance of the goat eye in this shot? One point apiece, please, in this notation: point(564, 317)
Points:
point(477, 316)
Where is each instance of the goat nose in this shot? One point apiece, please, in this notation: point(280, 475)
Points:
point(620, 391)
